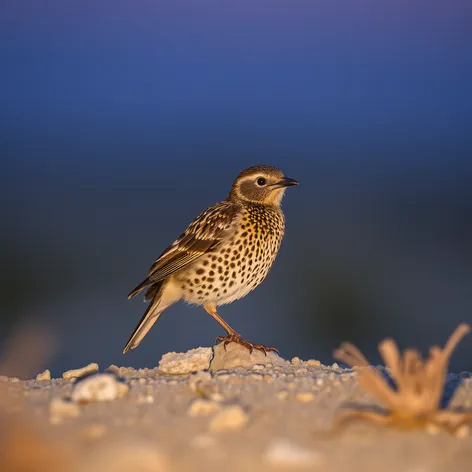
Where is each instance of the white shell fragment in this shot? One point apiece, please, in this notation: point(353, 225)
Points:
point(186, 362)
point(99, 388)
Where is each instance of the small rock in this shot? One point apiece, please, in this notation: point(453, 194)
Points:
point(258, 367)
point(59, 409)
point(283, 453)
point(304, 397)
point(186, 362)
point(46, 375)
point(301, 371)
point(236, 355)
point(99, 388)
point(296, 361)
point(75, 373)
point(232, 418)
point(200, 407)
point(113, 369)
point(313, 363)
point(14, 379)
point(122, 371)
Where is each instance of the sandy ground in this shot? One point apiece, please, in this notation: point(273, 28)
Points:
point(269, 415)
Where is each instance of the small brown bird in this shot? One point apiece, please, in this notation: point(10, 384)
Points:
point(225, 253)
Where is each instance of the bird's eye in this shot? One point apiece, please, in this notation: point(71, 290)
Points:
point(261, 181)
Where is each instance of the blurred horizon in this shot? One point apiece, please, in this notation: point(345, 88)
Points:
point(121, 121)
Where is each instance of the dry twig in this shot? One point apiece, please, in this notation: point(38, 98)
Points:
point(419, 386)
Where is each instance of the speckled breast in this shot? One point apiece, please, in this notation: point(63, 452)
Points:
point(240, 263)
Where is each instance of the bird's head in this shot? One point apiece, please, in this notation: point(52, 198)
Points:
point(261, 184)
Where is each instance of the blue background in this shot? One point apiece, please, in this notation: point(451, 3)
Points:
point(120, 121)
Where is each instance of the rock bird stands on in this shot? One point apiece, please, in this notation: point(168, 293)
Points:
point(225, 253)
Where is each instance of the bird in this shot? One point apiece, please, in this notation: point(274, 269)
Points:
point(225, 253)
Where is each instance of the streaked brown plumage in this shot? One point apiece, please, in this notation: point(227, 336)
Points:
point(225, 253)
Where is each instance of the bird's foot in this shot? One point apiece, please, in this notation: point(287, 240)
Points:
point(236, 338)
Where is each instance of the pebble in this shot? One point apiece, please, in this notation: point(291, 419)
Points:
point(304, 397)
point(296, 361)
point(187, 362)
point(113, 369)
point(46, 375)
point(75, 373)
point(231, 418)
point(236, 356)
point(283, 453)
point(313, 363)
point(99, 388)
point(201, 407)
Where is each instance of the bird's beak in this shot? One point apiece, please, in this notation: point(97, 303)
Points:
point(285, 182)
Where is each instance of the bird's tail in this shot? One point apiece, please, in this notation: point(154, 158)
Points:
point(141, 286)
point(151, 315)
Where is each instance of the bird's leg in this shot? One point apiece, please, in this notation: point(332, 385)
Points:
point(233, 336)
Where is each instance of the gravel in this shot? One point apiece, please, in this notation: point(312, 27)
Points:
point(256, 414)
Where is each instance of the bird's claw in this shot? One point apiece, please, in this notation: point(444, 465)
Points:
point(236, 338)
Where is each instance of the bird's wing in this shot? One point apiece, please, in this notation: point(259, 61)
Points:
point(203, 235)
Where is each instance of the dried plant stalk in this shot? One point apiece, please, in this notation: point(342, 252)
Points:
point(419, 385)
